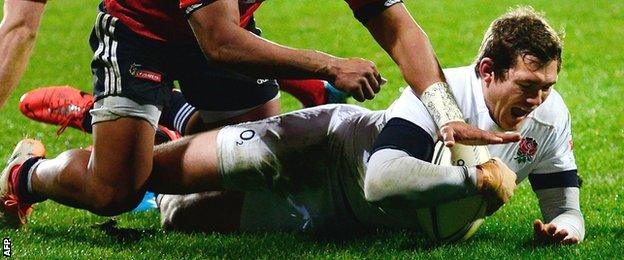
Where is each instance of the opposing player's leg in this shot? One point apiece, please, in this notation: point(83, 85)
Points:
point(15, 209)
point(107, 180)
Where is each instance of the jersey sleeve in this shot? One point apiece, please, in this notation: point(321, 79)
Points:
point(364, 10)
point(403, 135)
point(560, 157)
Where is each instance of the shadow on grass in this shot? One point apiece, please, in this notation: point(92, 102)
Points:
point(124, 235)
point(111, 233)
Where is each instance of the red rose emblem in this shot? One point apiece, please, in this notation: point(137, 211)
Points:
point(528, 146)
point(526, 150)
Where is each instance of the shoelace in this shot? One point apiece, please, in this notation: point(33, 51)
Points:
point(12, 204)
point(70, 113)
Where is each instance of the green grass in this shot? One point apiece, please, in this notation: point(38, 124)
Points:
point(591, 83)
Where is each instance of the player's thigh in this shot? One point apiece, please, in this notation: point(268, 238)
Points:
point(122, 156)
point(122, 153)
point(186, 165)
point(273, 152)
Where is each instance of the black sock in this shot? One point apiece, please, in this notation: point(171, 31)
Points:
point(25, 195)
point(177, 114)
point(86, 122)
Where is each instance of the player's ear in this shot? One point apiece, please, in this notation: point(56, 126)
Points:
point(486, 69)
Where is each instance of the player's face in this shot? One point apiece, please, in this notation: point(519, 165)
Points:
point(524, 88)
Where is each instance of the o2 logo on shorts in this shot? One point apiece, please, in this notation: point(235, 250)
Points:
point(245, 136)
point(460, 162)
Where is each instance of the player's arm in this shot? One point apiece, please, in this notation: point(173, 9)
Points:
point(402, 38)
point(399, 170)
point(558, 195)
point(556, 183)
point(18, 31)
point(224, 42)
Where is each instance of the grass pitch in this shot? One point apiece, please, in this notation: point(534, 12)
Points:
point(591, 82)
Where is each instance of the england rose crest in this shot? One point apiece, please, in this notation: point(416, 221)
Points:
point(526, 150)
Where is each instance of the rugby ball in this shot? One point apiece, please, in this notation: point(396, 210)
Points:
point(456, 220)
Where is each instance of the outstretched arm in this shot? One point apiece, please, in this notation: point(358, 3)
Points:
point(18, 31)
point(225, 43)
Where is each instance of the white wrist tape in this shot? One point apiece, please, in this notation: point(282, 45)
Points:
point(441, 104)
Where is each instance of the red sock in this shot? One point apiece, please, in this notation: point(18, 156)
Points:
point(19, 182)
point(310, 92)
point(14, 178)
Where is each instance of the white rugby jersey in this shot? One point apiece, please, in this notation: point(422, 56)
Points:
point(351, 132)
point(546, 146)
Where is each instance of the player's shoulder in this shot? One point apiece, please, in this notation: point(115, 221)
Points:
point(553, 112)
point(460, 79)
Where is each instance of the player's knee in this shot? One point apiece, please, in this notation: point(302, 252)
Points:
point(101, 198)
point(175, 213)
point(168, 211)
point(69, 164)
point(111, 201)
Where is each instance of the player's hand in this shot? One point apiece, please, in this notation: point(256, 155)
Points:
point(551, 234)
point(464, 133)
point(357, 77)
point(496, 182)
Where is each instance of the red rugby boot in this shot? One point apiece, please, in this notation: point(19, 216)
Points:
point(58, 105)
point(14, 213)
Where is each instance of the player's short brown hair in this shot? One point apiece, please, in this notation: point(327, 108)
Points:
point(520, 31)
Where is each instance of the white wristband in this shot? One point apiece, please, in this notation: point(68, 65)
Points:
point(441, 104)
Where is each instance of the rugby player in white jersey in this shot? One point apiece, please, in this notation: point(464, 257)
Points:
point(339, 166)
